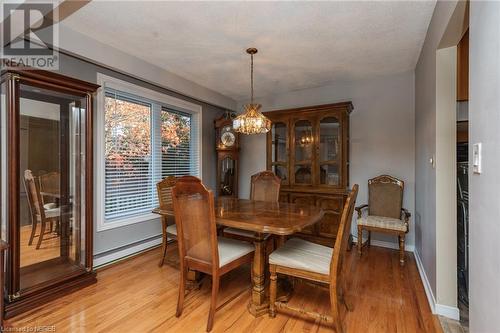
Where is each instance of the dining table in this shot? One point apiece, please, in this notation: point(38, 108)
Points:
point(263, 218)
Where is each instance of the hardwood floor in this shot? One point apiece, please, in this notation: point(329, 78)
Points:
point(137, 296)
point(30, 255)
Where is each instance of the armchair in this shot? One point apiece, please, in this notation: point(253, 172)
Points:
point(384, 212)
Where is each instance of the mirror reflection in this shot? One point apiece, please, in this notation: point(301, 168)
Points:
point(51, 168)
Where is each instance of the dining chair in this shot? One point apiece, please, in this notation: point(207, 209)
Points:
point(37, 211)
point(264, 186)
point(164, 190)
point(199, 247)
point(49, 183)
point(385, 212)
point(306, 260)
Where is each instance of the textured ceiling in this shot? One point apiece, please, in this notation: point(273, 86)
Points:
point(301, 44)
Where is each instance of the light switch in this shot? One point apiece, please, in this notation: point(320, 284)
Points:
point(476, 158)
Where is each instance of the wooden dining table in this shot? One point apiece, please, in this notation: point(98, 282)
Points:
point(262, 218)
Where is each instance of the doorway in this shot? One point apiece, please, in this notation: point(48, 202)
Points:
point(463, 179)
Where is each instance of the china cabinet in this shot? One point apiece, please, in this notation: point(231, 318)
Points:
point(308, 148)
point(46, 185)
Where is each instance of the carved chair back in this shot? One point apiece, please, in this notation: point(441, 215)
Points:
point(164, 190)
point(342, 240)
point(50, 182)
point(265, 186)
point(35, 202)
point(195, 218)
point(385, 196)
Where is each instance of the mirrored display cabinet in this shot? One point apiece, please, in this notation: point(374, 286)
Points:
point(308, 148)
point(46, 178)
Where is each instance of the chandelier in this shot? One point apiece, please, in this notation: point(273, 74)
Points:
point(252, 121)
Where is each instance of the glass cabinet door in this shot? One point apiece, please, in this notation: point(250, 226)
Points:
point(51, 185)
point(227, 169)
point(279, 151)
point(329, 151)
point(303, 152)
point(3, 157)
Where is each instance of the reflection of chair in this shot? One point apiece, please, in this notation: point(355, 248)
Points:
point(310, 261)
point(264, 186)
point(164, 189)
point(385, 212)
point(199, 247)
point(49, 183)
point(38, 212)
point(50, 190)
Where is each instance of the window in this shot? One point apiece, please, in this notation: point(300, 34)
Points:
point(145, 136)
point(129, 178)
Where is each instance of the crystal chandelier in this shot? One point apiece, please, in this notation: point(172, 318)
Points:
point(252, 121)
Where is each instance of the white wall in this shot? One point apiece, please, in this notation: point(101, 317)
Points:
point(446, 178)
point(425, 145)
point(484, 120)
point(382, 133)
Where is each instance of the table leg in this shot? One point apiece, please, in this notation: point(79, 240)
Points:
point(285, 285)
point(259, 304)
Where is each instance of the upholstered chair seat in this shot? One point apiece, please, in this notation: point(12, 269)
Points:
point(232, 249)
point(301, 254)
point(172, 229)
point(383, 222)
point(50, 205)
point(50, 213)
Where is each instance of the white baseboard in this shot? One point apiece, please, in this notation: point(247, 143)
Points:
point(389, 245)
point(451, 312)
point(125, 252)
point(425, 282)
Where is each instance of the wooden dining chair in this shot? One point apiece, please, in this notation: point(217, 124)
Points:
point(49, 183)
point(385, 212)
point(199, 247)
point(164, 190)
point(264, 186)
point(305, 260)
point(37, 211)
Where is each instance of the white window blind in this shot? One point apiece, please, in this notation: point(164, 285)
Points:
point(179, 144)
point(145, 142)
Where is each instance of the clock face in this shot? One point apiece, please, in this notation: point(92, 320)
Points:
point(228, 139)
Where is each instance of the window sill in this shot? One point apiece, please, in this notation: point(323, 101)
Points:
point(126, 221)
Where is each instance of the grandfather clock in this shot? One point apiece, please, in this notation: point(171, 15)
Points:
point(227, 147)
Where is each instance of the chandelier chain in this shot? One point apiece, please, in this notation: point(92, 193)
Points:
point(251, 78)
